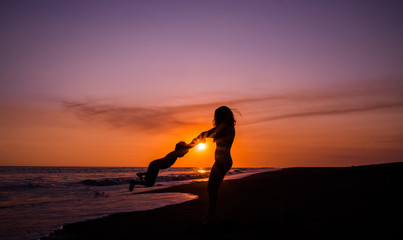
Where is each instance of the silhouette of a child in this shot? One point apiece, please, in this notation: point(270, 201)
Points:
point(181, 149)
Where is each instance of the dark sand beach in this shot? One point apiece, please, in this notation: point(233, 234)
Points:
point(306, 203)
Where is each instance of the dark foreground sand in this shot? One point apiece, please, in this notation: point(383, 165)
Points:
point(320, 203)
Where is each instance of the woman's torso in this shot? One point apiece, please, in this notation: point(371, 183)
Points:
point(224, 139)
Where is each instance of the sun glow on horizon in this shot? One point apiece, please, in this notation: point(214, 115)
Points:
point(201, 171)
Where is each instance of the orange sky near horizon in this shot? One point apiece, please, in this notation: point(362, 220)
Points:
point(294, 132)
point(94, 83)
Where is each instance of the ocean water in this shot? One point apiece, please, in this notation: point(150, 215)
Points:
point(35, 201)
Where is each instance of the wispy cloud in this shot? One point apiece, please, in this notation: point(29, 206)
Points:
point(260, 109)
point(331, 111)
point(150, 118)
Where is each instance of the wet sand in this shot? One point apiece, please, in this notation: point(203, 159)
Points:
point(320, 203)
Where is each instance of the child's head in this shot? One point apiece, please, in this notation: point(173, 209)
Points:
point(224, 115)
point(182, 148)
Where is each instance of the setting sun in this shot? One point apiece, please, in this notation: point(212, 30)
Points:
point(201, 146)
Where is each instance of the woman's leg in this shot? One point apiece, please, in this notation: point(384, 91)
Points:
point(215, 180)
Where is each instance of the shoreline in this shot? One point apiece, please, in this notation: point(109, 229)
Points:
point(291, 202)
point(159, 189)
point(236, 174)
point(41, 204)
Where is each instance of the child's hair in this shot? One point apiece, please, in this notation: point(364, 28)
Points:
point(224, 115)
point(181, 145)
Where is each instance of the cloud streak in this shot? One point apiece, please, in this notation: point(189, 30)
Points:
point(288, 106)
point(326, 112)
point(125, 117)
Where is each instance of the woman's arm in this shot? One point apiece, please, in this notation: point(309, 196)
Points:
point(202, 137)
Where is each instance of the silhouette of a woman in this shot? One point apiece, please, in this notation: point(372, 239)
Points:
point(223, 134)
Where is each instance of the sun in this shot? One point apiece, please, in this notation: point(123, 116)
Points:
point(201, 146)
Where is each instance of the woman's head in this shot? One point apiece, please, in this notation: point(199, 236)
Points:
point(224, 115)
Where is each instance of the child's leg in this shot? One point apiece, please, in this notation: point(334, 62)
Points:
point(134, 183)
point(151, 175)
point(140, 175)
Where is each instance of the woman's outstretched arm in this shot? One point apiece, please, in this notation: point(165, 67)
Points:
point(202, 136)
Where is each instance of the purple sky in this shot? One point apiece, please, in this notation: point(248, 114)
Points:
point(140, 48)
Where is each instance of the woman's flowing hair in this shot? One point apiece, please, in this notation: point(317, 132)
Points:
point(224, 115)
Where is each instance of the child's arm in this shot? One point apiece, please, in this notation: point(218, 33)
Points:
point(167, 161)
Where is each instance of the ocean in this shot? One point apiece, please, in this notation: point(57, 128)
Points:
point(35, 201)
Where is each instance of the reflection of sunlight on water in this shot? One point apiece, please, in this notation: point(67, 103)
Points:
point(201, 170)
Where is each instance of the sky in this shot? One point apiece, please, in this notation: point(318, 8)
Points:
point(119, 83)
